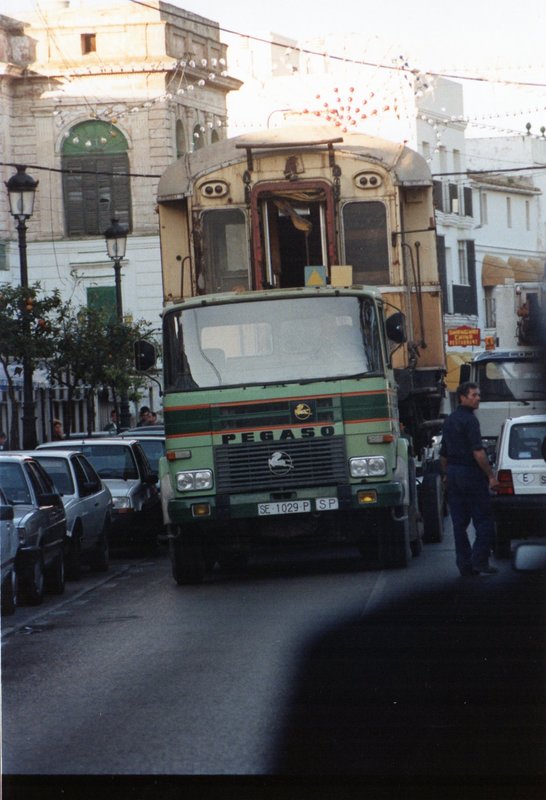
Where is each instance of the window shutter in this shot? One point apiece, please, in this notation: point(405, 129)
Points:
point(438, 195)
point(468, 201)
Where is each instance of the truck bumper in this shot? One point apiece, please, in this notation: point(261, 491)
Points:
point(222, 508)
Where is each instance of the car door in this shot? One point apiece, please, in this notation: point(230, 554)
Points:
point(9, 540)
point(50, 515)
point(93, 498)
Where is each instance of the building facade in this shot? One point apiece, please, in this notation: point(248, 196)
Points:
point(97, 102)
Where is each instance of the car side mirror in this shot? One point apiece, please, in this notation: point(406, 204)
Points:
point(50, 499)
point(530, 557)
point(396, 327)
point(6, 513)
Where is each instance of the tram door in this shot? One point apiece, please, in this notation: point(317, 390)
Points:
point(293, 235)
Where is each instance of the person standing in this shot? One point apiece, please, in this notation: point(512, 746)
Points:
point(464, 463)
point(3, 441)
point(112, 426)
point(58, 432)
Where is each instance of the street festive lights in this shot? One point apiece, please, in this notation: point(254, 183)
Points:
point(21, 192)
point(116, 243)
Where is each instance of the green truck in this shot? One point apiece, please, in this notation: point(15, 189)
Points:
point(282, 425)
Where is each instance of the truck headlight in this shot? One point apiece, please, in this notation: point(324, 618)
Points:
point(367, 467)
point(194, 480)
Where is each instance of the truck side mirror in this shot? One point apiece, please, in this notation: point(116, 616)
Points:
point(145, 355)
point(396, 327)
point(464, 373)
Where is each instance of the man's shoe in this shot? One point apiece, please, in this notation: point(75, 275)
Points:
point(487, 570)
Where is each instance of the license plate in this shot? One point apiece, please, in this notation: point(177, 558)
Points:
point(286, 507)
point(327, 503)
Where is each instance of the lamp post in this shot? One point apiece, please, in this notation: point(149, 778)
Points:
point(21, 192)
point(116, 243)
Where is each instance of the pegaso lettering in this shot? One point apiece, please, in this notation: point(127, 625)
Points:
point(281, 436)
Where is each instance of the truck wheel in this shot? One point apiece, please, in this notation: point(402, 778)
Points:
point(33, 581)
point(394, 542)
point(502, 547)
point(432, 504)
point(9, 594)
point(55, 575)
point(188, 563)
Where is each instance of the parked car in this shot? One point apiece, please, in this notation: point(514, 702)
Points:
point(124, 468)
point(88, 505)
point(40, 519)
point(520, 500)
point(9, 546)
point(152, 441)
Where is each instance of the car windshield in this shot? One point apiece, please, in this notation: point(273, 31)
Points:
point(526, 441)
point(112, 460)
point(521, 379)
point(14, 484)
point(303, 339)
point(154, 449)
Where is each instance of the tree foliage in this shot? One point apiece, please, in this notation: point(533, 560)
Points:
point(81, 349)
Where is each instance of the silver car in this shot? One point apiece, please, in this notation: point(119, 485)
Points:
point(88, 506)
point(124, 468)
point(40, 519)
point(9, 542)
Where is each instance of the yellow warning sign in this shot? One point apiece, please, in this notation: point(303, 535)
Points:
point(315, 276)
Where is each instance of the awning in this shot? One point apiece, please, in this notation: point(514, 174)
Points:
point(454, 361)
point(497, 271)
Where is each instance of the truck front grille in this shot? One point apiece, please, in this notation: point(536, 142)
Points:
point(281, 464)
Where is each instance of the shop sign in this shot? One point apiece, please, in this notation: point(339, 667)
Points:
point(464, 336)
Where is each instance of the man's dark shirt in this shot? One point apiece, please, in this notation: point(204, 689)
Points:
point(460, 437)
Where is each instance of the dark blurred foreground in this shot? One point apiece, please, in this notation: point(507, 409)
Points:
point(444, 685)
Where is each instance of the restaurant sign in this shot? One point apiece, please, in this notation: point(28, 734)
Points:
point(464, 336)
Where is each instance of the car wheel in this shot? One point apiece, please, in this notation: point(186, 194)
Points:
point(100, 558)
point(502, 548)
point(9, 594)
point(55, 575)
point(33, 581)
point(73, 557)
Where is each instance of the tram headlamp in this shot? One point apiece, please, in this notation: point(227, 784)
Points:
point(367, 467)
point(194, 480)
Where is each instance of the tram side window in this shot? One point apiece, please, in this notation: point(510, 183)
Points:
point(366, 242)
point(225, 251)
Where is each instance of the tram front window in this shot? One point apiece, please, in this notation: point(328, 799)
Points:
point(225, 251)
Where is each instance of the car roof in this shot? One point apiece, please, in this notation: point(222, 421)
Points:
point(87, 442)
point(526, 419)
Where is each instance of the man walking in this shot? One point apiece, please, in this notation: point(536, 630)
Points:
point(469, 478)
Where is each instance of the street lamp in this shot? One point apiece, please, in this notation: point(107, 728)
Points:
point(21, 192)
point(116, 243)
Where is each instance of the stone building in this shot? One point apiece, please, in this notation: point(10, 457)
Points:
point(97, 101)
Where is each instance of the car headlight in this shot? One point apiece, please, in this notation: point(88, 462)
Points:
point(120, 503)
point(194, 480)
point(368, 467)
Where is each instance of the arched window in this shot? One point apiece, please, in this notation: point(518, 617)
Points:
point(214, 137)
point(96, 185)
point(198, 138)
point(180, 139)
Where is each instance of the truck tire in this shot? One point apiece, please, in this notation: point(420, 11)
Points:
point(432, 508)
point(394, 542)
point(188, 563)
point(502, 547)
point(33, 580)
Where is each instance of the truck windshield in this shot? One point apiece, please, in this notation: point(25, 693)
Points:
point(511, 380)
point(271, 341)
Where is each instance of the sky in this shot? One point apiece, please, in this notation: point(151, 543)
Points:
point(495, 42)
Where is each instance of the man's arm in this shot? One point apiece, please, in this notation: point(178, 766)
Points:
point(483, 463)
